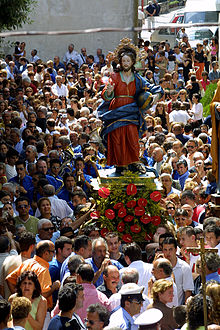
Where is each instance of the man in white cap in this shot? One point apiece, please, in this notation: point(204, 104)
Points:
point(150, 319)
point(131, 303)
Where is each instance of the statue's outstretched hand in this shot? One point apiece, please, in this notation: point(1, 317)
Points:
point(110, 88)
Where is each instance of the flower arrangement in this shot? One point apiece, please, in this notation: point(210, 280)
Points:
point(131, 209)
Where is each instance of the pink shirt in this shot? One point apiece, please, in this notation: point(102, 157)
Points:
point(92, 296)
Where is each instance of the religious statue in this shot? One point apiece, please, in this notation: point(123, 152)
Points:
point(126, 96)
point(215, 145)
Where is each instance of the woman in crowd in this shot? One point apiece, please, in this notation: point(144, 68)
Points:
point(44, 205)
point(28, 286)
point(162, 294)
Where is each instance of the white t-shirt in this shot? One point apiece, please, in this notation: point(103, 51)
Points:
point(144, 269)
point(197, 110)
point(183, 279)
point(179, 116)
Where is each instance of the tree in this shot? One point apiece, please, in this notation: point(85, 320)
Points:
point(15, 13)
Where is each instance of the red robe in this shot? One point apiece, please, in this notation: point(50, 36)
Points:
point(123, 142)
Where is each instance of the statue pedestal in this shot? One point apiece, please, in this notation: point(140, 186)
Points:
point(215, 199)
point(108, 176)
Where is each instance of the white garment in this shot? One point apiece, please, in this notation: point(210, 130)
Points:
point(150, 22)
point(183, 279)
point(59, 208)
point(4, 255)
point(10, 263)
point(174, 302)
point(158, 165)
point(179, 57)
point(179, 116)
point(197, 110)
point(141, 14)
point(34, 58)
point(115, 301)
point(71, 56)
point(10, 171)
point(60, 91)
point(193, 260)
point(174, 191)
point(144, 269)
point(218, 247)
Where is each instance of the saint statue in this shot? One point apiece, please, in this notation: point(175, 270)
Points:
point(215, 145)
point(126, 96)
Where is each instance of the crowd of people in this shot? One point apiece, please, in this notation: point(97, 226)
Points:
point(56, 271)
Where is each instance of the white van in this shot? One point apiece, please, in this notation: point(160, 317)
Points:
point(205, 11)
point(195, 11)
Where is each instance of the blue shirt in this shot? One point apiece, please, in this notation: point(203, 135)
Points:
point(213, 276)
point(122, 319)
point(54, 270)
point(26, 182)
point(64, 194)
point(52, 181)
point(183, 178)
point(183, 138)
point(91, 262)
point(64, 266)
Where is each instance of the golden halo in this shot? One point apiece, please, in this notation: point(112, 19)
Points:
point(126, 42)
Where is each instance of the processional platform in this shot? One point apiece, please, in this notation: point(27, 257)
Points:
point(110, 176)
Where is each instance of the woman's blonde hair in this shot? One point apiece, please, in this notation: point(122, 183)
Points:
point(160, 286)
point(213, 291)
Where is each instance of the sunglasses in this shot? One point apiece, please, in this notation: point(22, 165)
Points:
point(90, 321)
point(22, 206)
point(48, 229)
point(137, 302)
point(171, 208)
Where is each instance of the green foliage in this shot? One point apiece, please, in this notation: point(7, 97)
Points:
point(207, 98)
point(14, 13)
point(173, 3)
point(116, 200)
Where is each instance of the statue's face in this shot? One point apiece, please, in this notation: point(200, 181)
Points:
point(126, 63)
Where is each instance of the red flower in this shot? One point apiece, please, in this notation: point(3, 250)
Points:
point(122, 212)
point(142, 202)
point(148, 237)
point(131, 189)
point(118, 206)
point(127, 238)
point(135, 229)
point(94, 215)
point(131, 204)
point(104, 231)
point(146, 219)
point(121, 227)
point(156, 220)
point(155, 196)
point(139, 211)
point(128, 218)
point(110, 214)
point(104, 192)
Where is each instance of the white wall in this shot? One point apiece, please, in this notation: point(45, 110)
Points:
point(57, 15)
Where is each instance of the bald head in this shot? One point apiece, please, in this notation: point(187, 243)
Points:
point(42, 246)
point(162, 268)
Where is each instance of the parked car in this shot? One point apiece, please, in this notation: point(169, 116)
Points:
point(198, 34)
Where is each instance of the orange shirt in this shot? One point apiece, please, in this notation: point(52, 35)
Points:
point(40, 267)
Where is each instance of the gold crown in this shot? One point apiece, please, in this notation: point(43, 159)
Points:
point(126, 42)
